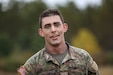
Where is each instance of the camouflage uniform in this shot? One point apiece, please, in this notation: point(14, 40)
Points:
point(76, 62)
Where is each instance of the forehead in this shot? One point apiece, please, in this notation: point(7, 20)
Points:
point(51, 19)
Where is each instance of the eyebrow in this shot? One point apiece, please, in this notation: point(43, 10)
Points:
point(56, 22)
point(50, 23)
point(47, 24)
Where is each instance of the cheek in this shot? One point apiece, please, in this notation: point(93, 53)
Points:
point(62, 31)
point(46, 34)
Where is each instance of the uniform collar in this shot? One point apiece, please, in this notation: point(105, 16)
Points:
point(69, 55)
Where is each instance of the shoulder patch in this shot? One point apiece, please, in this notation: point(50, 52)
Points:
point(21, 71)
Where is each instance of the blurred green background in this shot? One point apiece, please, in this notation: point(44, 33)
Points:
point(90, 29)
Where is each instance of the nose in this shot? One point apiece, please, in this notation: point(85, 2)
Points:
point(53, 29)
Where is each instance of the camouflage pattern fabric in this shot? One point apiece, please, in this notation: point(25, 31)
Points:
point(76, 62)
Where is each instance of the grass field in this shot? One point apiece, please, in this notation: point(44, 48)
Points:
point(105, 70)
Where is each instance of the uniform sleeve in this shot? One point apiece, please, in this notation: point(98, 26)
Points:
point(92, 67)
point(28, 68)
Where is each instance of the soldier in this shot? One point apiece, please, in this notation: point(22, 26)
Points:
point(57, 57)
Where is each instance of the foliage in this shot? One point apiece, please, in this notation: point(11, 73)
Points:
point(23, 24)
point(14, 61)
point(109, 58)
point(6, 47)
point(29, 33)
point(86, 40)
point(103, 24)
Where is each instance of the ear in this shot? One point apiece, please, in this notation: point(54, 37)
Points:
point(65, 27)
point(40, 32)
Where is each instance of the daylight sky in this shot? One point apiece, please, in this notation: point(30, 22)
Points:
point(81, 4)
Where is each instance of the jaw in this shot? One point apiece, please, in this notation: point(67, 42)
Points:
point(55, 43)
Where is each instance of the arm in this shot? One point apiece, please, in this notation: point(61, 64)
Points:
point(28, 68)
point(92, 67)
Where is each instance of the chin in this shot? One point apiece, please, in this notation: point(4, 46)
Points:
point(55, 43)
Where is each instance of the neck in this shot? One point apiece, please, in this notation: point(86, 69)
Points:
point(57, 49)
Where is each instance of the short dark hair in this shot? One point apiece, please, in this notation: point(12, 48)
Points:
point(50, 12)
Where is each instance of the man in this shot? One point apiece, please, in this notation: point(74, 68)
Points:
point(57, 57)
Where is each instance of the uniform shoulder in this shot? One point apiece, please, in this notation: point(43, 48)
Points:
point(80, 51)
point(35, 57)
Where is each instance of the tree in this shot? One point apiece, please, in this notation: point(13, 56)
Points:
point(86, 40)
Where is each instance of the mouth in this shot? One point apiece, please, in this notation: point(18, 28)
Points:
point(54, 37)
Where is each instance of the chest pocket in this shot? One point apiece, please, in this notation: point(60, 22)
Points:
point(48, 70)
point(77, 69)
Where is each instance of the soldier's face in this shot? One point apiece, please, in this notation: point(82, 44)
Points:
point(53, 30)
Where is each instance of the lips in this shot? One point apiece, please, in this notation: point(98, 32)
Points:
point(54, 37)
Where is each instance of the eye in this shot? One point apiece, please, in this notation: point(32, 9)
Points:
point(57, 24)
point(47, 26)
